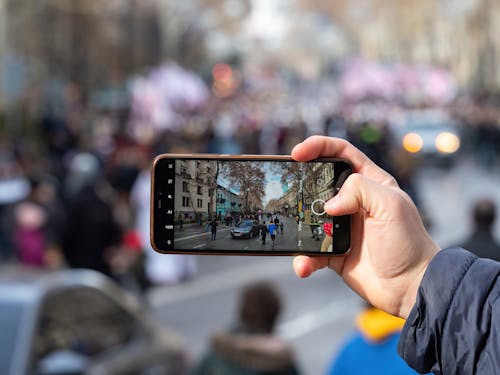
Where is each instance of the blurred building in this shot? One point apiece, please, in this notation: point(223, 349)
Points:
point(85, 42)
point(302, 42)
point(96, 45)
point(461, 36)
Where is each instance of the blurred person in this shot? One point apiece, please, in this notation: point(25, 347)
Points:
point(34, 224)
point(46, 192)
point(14, 188)
point(59, 139)
point(481, 241)
point(250, 347)
point(334, 125)
point(127, 262)
point(269, 137)
point(124, 165)
point(127, 259)
point(159, 268)
point(83, 170)
point(91, 231)
point(39, 222)
point(372, 348)
point(29, 237)
point(487, 137)
point(449, 297)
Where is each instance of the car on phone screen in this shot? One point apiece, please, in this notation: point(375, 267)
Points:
point(246, 229)
point(429, 134)
point(80, 322)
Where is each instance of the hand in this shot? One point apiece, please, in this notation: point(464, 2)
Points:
point(390, 248)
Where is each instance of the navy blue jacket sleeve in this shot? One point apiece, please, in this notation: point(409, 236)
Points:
point(454, 327)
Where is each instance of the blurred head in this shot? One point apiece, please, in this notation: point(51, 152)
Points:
point(30, 216)
point(484, 213)
point(260, 305)
point(84, 170)
point(44, 188)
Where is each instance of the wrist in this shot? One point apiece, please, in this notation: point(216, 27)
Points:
point(410, 297)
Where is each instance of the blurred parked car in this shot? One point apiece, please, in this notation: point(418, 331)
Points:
point(246, 229)
point(428, 133)
point(80, 322)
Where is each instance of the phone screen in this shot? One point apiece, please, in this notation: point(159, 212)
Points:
point(247, 205)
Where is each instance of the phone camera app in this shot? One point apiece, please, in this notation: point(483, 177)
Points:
point(318, 207)
point(248, 205)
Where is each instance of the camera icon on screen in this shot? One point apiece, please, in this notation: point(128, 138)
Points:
point(318, 207)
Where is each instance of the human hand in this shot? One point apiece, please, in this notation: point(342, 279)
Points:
point(390, 248)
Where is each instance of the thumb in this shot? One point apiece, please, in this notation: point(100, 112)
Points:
point(361, 193)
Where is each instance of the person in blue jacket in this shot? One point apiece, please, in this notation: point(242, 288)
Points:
point(450, 298)
point(372, 348)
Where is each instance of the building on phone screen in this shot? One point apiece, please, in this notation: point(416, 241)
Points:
point(195, 186)
point(228, 202)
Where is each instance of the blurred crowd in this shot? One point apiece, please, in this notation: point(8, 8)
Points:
point(74, 187)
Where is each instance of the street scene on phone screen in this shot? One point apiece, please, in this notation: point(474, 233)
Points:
point(253, 205)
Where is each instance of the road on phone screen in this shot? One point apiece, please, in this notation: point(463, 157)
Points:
point(293, 236)
point(319, 311)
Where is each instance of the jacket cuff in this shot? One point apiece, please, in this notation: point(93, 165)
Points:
point(421, 339)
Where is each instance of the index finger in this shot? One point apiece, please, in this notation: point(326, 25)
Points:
point(322, 146)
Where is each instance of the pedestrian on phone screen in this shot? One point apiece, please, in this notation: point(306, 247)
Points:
point(263, 232)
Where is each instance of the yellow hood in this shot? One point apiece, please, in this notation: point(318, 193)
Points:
point(376, 325)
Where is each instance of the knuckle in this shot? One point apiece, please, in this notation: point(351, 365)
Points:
point(355, 179)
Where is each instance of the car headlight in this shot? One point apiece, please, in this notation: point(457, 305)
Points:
point(413, 143)
point(447, 143)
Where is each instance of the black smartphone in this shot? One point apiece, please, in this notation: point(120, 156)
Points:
point(246, 205)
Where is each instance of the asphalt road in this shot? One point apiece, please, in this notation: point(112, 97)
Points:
point(319, 311)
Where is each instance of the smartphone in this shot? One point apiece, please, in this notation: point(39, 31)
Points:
point(246, 205)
